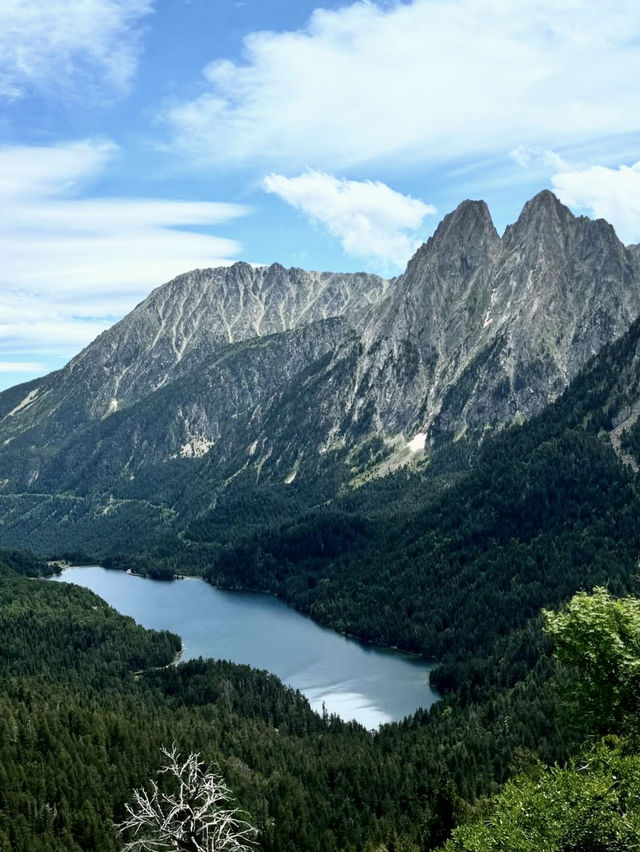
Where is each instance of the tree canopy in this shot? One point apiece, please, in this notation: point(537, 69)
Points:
point(597, 637)
point(591, 804)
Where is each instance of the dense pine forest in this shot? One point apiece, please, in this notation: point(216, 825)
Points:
point(86, 706)
point(89, 698)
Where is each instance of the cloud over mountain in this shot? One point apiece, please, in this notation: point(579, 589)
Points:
point(607, 193)
point(368, 217)
point(422, 81)
point(72, 264)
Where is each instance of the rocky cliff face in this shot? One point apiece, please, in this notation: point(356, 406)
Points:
point(260, 369)
point(188, 330)
point(482, 330)
point(184, 323)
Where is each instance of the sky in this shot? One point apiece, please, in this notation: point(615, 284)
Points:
point(143, 138)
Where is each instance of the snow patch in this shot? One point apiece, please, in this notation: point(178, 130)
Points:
point(492, 300)
point(417, 443)
point(289, 479)
point(252, 449)
point(29, 398)
point(195, 448)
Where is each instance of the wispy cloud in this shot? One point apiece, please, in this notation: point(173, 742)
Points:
point(538, 159)
point(22, 367)
point(422, 81)
point(71, 265)
point(608, 193)
point(49, 44)
point(368, 217)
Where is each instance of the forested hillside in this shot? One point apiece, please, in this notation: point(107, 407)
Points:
point(85, 709)
point(593, 801)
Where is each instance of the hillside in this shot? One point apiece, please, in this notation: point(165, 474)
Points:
point(546, 508)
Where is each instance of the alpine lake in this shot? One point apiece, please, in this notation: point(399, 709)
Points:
point(336, 673)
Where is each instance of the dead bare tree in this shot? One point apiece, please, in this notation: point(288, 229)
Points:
point(195, 812)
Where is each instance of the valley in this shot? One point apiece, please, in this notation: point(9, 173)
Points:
point(319, 426)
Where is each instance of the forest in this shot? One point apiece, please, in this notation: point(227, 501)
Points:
point(86, 708)
point(89, 698)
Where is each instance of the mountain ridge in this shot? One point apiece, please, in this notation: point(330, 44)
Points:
point(261, 373)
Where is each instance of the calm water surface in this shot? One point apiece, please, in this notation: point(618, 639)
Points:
point(355, 681)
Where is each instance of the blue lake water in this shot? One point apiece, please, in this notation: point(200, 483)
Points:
point(356, 681)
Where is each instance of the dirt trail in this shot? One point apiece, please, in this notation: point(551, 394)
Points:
point(137, 675)
point(616, 438)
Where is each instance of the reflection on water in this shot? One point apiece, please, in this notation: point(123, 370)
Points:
point(371, 685)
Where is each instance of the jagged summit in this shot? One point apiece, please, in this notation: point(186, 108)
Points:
point(483, 330)
point(470, 222)
point(541, 217)
point(468, 218)
point(545, 202)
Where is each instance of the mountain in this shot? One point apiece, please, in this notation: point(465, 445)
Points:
point(182, 327)
point(197, 353)
point(483, 330)
point(292, 384)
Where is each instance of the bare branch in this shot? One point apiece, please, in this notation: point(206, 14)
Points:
point(199, 817)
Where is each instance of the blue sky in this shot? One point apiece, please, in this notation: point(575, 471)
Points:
point(143, 138)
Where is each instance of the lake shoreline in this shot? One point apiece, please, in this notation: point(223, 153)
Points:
point(244, 589)
point(241, 589)
point(359, 680)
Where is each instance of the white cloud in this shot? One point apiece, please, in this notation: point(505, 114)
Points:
point(40, 172)
point(368, 217)
point(46, 44)
point(428, 80)
point(21, 367)
point(538, 159)
point(607, 193)
point(71, 265)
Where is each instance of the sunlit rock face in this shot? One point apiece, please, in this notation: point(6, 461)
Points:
point(175, 374)
point(184, 323)
point(481, 330)
point(261, 371)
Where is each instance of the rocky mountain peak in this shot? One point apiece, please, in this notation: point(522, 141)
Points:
point(543, 219)
point(186, 322)
point(461, 234)
point(469, 220)
point(545, 202)
point(495, 328)
point(445, 272)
